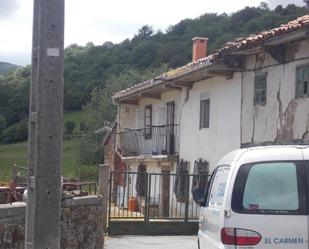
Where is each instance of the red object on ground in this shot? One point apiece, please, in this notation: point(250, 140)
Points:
point(132, 205)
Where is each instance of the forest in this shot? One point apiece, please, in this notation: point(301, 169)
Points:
point(93, 73)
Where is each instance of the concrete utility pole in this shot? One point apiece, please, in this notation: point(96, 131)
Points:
point(45, 126)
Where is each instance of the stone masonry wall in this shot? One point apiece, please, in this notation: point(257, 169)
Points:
point(12, 225)
point(81, 224)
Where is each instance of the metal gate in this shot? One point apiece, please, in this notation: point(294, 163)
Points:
point(153, 203)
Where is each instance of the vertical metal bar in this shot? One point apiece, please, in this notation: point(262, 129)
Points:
point(134, 179)
point(118, 196)
point(110, 196)
point(172, 193)
point(160, 185)
point(187, 198)
point(124, 195)
point(146, 216)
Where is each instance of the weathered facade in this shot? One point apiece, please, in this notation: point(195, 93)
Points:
point(253, 91)
point(284, 117)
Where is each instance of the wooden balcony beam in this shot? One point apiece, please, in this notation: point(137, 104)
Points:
point(129, 102)
point(172, 87)
point(151, 95)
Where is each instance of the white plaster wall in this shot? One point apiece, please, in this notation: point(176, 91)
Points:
point(223, 134)
point(160, 105)
point(260, 124)
point(127, 116)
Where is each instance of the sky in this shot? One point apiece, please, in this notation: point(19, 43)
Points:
point(99, 21)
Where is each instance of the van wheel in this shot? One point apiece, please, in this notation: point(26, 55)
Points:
point(198, 243)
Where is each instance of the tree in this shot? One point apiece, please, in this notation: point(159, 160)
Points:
point(2, 123)
point(145, 32)
point(100, 111)
point(92, 67)
point(264, 6)
point(69, 127)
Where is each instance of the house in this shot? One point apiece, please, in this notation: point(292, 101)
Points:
point(253, 91)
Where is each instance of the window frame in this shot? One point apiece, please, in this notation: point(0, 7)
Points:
point(297, 83)
point(239, 188)
point(148, 127)
point(260, 90)
point(204, 119)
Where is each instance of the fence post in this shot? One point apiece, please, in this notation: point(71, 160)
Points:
point(187, 197)
point(147, 194)
point(103, 190)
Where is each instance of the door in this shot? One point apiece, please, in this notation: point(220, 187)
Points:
point(269, 203)
point(170, 128)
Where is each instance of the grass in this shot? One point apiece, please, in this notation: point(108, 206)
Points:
point(76, 117)
point(17, 154)
point(11, 154)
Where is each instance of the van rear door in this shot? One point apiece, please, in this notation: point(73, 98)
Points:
point(269, 206)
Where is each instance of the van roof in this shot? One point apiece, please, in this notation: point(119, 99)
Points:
point(264, 153)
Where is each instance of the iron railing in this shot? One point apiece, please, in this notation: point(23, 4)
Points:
point(153, 196)
point(153, 140)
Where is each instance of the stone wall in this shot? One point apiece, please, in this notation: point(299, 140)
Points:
point(81, 224)
point(12, 225)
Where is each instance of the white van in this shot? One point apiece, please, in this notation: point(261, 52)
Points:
point(257, 198)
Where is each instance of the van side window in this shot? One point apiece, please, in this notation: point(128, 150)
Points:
point(270, 187)
point(218, 187)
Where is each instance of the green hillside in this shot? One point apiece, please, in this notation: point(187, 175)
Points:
point(114, 66)
point(17, 154)
point(6, 67)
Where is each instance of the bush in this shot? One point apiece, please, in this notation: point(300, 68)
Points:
point(91, 150)
point(69, 127)
point(15, 133)
point(2, 123)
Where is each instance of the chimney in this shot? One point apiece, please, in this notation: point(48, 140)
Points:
point(199, 48)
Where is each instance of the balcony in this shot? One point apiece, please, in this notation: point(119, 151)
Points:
point(152, 140)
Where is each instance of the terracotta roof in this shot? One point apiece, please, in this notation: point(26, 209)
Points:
point(190, 67)
point(238, 44)
point(259, 38)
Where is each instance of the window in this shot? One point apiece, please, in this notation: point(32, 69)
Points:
point(218, 187)
point(260, 89)
point(148, 121)
point(267, 188)
point(302, 79)
point(204, 113)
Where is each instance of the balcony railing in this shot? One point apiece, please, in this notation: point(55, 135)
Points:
point(153, 140)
